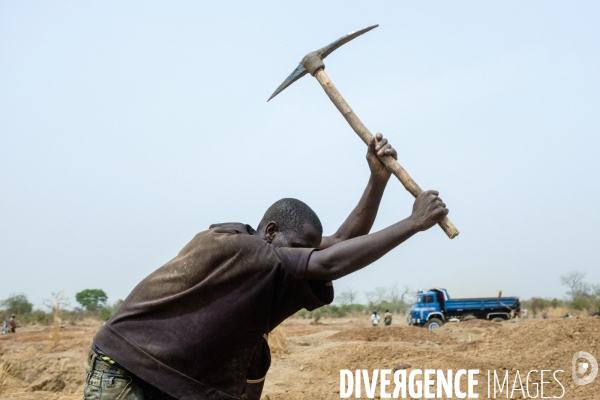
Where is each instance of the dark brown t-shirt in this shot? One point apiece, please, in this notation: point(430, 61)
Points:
point(195, 327)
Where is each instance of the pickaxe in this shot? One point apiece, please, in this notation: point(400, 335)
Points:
point(313, 63)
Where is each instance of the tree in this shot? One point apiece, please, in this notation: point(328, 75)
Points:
point(348, 296)
point(537, 304)
point(574, 281)
point(57, 303)
point(370, 297)
point(397, 297)
point(381, 294)
point(92, 299)
point(17, 304)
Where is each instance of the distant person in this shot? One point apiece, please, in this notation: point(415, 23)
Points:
point(387, 318)
point(197, 327)
point(375, 318)
point(4, 327)
point(12, 324)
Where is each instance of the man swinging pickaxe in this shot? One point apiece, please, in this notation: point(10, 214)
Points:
point(313, 63)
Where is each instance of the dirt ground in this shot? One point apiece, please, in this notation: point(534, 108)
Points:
point(307, 358)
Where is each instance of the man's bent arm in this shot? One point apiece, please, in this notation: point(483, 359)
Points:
point(351, 255)
point(360, 221)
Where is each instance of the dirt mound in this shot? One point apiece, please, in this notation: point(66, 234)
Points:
point(471, 330)
point(278, 342)
point(33, 363)
point(478, 323)
point(390, 334)
point(543, 342)
point(525, 345)
point(302, 328)
point(558, 332)
point(35, 368)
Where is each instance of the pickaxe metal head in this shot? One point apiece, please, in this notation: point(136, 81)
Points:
point(313, 61)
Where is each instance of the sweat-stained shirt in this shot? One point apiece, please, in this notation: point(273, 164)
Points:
point(196, 327)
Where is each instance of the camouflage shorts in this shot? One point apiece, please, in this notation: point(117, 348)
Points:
point(106, 380)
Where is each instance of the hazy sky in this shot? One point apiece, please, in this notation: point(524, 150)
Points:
point(128, 127)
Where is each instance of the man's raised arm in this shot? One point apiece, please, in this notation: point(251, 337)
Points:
point(360, 221)
point(351, 255)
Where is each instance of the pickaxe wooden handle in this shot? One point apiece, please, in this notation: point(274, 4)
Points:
point(313, 63)
point(364, 133)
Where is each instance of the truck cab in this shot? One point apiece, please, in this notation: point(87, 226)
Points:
point(428, 309)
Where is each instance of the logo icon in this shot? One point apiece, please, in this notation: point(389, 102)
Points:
point(581, 368)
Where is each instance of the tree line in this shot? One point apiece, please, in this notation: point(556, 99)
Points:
point(392, 298)
point(581, 296)
point(92, 303)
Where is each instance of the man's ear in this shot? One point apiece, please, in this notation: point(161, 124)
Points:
point(270, 231)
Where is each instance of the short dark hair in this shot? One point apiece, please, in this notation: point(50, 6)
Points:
point(291, 215)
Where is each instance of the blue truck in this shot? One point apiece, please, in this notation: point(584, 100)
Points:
point(434, 307)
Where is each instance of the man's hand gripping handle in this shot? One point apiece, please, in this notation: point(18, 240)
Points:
point(366, 136)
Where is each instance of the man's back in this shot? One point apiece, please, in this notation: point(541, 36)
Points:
point(180, 314)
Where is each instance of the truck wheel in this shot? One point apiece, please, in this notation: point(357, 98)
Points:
point(498, 319)
point(433, 323)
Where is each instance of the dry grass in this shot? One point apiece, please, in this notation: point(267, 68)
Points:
point(7, 369)
point(4, 374)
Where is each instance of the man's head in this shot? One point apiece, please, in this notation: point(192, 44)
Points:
point(291, 223)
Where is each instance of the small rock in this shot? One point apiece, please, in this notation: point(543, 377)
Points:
point(400, 366)
point(302, 368)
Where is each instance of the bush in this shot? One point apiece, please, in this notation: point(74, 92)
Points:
point(585, 302)
point(16, 304)
point(304, 313)
point(35, 317)
point(537, 304)
point(555, 303)
point(107, 312)
point(317, 314)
